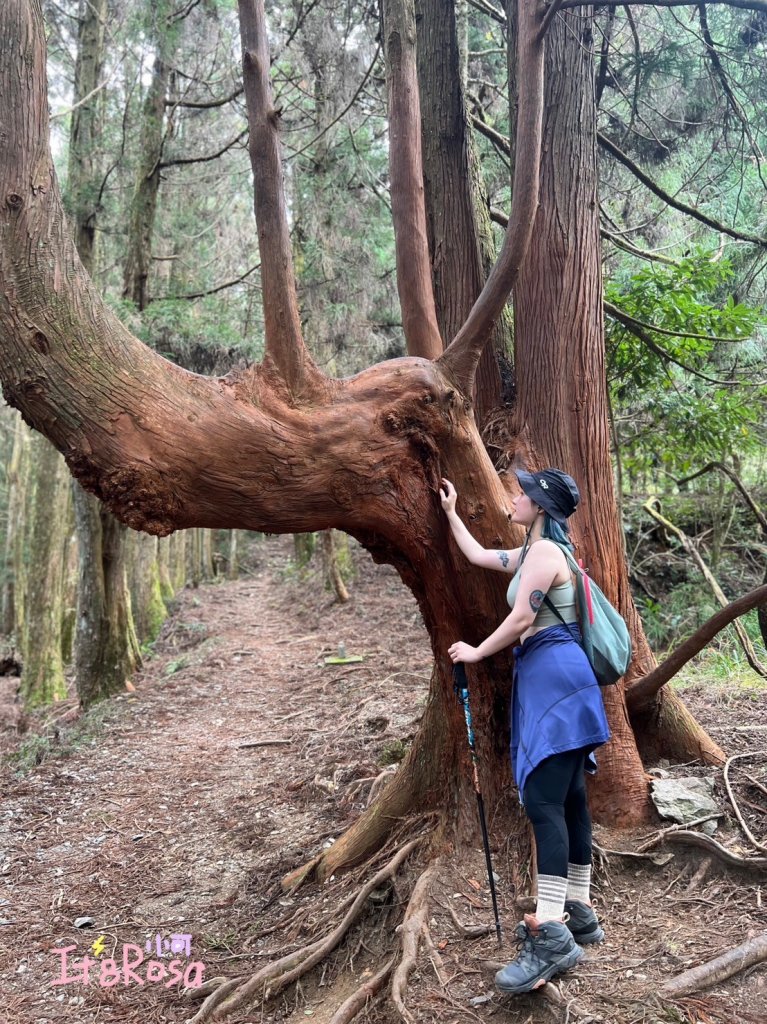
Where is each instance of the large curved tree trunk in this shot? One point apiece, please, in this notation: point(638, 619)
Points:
point(281, 448)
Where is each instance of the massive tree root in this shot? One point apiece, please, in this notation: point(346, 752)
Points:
point(413, 929)
point(232, 995)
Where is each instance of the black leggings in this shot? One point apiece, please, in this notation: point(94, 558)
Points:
point(555, 802)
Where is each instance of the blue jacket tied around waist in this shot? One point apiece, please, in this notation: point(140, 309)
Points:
point(556, 702)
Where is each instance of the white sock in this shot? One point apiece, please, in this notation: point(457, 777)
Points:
point(552, 892)
point(579, 882)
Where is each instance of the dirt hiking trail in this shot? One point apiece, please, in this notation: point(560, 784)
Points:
point(169, 816)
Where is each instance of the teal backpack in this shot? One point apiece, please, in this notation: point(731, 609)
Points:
point(605, 636)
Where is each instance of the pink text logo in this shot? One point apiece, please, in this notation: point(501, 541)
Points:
point(133, 967)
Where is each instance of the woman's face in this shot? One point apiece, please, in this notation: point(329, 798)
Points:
point(523, 510)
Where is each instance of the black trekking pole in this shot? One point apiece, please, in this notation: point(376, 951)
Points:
point(461, 684)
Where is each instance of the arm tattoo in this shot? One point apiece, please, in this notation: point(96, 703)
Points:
point(504, 557)
point(536, 600)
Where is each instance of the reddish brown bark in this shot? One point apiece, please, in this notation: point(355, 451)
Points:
point(419, 317)
point(562, 409)
point(460, 238)
point(285, 347)
point(281, 448)
point(562, 404)
point(463, 353)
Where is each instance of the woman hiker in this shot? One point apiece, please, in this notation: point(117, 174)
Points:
point(557, 720)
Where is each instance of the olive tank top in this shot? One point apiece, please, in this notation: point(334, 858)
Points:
point(562, 596)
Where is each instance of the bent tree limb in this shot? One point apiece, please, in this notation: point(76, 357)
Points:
point(642, 691)
point(726, 776)
point(282, 324)
point(462, 354)
point(722, 967)
point(650, 506)
point(684, 837)
point(414, 282)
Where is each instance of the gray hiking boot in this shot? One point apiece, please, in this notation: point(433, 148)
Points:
point(583, 923)
point(545, 952)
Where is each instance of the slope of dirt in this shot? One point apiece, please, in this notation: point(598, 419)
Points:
point(175, 811)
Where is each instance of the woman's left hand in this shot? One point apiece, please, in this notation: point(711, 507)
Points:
point(459, 651)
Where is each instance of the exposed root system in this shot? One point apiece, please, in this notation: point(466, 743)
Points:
point(271, 979)
point(412, 930)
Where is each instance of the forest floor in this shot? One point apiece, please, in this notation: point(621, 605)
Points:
point(176, 809)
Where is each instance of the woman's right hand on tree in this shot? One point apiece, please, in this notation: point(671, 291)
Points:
point(448, 496)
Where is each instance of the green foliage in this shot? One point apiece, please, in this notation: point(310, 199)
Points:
point(60, 742)
point(668, 416)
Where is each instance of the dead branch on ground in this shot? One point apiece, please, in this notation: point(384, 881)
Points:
point(661, 834)
point(722, 967)
point(469, 931)
point(720, 852)
point(735, 757)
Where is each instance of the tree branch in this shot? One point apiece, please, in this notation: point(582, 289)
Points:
point(744, 5)
point(294, 153)
point(713, 338)
point(643, 690)
point(644, 254)
point(414, 281)
point(754, 951)
point(759, 515)
point(716, 63)
point(495, 137)
point(191, 105)
point(204, 159)
point(462, 355)
point(487, 8)
point(551, 13)
point(691, 211)
point(639, 330)
point(285, 348)
point(208, 291)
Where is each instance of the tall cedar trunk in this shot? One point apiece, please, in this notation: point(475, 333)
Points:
point(149, 610)
point(144, 203)
point(106, 649)
point(106, 653)
point(316, 230)
point(233, 555)
point(331, 550)
point(167, 589)
point(83, 179)
point(14, 527)
point(562, 404)
point(208, 567)
point(42, 679)
point(460, 235)
point(177, 559)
